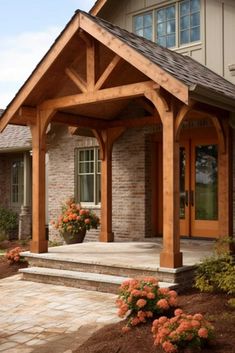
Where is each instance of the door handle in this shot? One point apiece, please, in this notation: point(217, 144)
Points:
point(186, 198)
point(192, 198)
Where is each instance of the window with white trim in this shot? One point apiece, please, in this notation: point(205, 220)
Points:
point(88, 176)
point(17, 181)
point(171, 26)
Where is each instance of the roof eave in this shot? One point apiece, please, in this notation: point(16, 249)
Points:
point(204, 95)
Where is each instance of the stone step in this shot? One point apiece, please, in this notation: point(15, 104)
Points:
point(84, 280)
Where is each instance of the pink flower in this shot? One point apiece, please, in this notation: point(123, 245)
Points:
point(203, 332)
point(151, 280)
point(173, 301)
point(163, 304)
point(87, 221)
point(169, 347)
point(173, 293)
point(150, 295)
point(163, 291)
point(195, 323)
point(198, 317)
point(178, 312)
point(135, 321)
point(162, 320)
point(141, 303)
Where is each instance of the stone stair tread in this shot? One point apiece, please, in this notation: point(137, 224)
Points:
point(87, 276)
point(89, 261)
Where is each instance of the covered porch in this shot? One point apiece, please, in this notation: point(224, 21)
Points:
point(100, 81)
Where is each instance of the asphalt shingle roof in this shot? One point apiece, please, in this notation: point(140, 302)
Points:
point(184, 68)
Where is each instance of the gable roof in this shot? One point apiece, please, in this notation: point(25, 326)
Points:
point(183, 68)
point(158, 61)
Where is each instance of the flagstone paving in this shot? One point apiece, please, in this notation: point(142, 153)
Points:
point(42, 318)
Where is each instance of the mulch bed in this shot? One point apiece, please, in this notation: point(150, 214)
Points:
point(110, 339)
point(7, 269)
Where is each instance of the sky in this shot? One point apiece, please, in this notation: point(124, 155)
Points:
point(27, 30)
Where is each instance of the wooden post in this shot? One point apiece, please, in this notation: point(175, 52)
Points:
point(170, 255)
point(39, 243)
point(106, 139)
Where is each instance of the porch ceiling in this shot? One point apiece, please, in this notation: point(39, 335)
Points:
point(96, 70)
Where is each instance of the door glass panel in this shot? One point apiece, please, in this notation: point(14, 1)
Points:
point(182, 182)
point(206, 182)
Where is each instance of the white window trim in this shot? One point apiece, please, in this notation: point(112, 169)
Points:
point(178, 46)
point(95, 204)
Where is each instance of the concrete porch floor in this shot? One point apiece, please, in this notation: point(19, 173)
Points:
point(144, 255)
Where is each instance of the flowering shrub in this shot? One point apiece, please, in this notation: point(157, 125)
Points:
point(74, 218)
point(141, 299)
point(13, 255)
point(181, 331)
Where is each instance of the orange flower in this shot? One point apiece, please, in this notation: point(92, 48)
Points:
point(141, 303)
point(203, 332)
point(163, 304)
point(169, 347)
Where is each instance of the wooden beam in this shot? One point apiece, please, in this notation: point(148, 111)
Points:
point(106, 139)
point(158, 101)
point(39, 242)
point(182, 114)
point(146, 105)
point(107, 72)
point(79, 121)
point(72, 130)
point(76, 121)
point(41, 69)
point(104, 95)
point(90, 66)
point(136, 59)
point(170, 256)
point(77, 80)
point(97, 7)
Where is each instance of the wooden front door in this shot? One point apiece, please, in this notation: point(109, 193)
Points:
point(199, 187)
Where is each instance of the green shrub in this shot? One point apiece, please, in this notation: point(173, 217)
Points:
point(216, 273)
point(8, 220)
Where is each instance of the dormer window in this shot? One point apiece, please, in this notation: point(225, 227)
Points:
point(170, 26)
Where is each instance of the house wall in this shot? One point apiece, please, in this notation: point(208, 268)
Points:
point(216, 49)
point(131, 188)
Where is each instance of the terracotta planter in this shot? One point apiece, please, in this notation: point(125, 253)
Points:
point(74, 238)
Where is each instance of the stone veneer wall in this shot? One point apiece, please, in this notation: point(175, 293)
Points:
point(131, 182)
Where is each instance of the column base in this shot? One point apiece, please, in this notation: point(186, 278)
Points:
point(171, 260)
point(39, 247)
point(25, 223)
point(106, 237)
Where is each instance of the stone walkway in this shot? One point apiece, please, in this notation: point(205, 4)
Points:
point(42, 318)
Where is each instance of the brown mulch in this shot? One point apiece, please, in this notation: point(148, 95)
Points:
point(110, 339)
point(7, 269)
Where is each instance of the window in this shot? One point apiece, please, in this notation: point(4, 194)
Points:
point(173, 26)
point(189, 21)
point(165, 26)
point(17, 181)
point(89, 175)
point(144, 25)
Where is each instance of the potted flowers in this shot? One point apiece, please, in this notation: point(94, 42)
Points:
point(74, 221)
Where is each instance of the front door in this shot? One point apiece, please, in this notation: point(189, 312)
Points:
point(199, 187)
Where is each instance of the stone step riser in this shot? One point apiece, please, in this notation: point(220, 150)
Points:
point(102, 269)
point(71, 282)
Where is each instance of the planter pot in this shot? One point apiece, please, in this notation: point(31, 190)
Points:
point(74, 238)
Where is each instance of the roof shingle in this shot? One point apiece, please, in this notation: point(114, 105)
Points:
point(184, 68)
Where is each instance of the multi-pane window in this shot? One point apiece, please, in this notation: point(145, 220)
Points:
point(89, 175)
point(170, 26)
point(17, 181)
point(189, 21)
point(165, 26)
point(144, 25)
